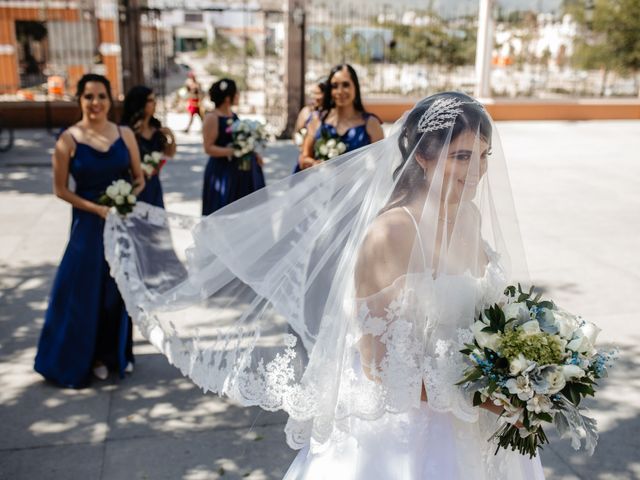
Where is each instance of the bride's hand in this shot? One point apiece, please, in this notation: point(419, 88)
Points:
point(490, 406)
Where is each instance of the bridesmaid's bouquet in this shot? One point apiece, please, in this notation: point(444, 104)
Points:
point(537, 362)
point(247, 136)
point(119, 195)
point(152, 163)
point(299, 136)
point(328, 146)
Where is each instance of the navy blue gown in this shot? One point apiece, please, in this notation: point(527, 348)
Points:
point(224, 182)
point(86, 320)
point(152, 193)
point(354, 138)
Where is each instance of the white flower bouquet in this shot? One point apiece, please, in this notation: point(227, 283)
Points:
point(247, 136)
point(327, 146)
point(152, 163)
point(537, 362)
point(299, 136)
point(119, 195)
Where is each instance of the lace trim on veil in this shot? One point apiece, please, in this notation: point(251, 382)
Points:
point(273, 385)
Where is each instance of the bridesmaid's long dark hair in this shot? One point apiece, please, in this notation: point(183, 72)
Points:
point(135, 103)
point(328, 103)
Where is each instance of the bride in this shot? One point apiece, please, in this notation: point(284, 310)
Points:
point(343, 295)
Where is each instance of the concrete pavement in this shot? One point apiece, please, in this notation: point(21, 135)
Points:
point(575, 188)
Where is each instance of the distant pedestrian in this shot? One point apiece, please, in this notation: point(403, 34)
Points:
point(194, 97)
point(86, 326)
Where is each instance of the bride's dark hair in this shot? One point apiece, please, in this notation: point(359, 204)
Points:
point(409, 174)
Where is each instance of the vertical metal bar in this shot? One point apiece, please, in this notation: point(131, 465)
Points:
point(483, 49)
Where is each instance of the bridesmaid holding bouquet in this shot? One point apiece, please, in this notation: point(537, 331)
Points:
point(86, 328)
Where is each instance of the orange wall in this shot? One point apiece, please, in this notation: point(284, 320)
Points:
point(9, 80)
point(389, 110)
point(39, 14)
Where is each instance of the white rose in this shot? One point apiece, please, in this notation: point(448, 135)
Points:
point(556, 380)
point(112, 191)
point(539, 404)
point(323, 150)
point(485, 339)
point(148, 169)
point(131, 199)
point(331, 142)
point(157, 156)
point(119, 200)
point(518, 364)
point(237, 153)
point(342, 147)
point(591, 331)
point(124, 188)
point(531, 327)
point(572, 371)
point(566, 323)
point(580, 344)
point(332, 153)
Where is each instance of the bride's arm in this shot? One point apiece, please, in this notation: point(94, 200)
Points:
point(383, 258)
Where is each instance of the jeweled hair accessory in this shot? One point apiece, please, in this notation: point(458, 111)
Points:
point(441, 114)
point(223, 85)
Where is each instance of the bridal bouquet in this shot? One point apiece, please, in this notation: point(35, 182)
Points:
point(537, 362)
point(247, 136)
point(119, 195)
point(327, 146)
point(152, 163)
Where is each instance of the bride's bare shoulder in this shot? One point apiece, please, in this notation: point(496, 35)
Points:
point(385, 251)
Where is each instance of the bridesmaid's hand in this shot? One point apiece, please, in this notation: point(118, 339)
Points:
point(102, 211)
point(229, 152)
point(306, 162)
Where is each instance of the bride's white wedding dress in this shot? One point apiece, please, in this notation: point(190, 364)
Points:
point(425, 442)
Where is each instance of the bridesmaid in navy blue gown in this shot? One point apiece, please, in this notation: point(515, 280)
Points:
point(86, 325)
point(138, 113)
point(224, 181)
point(343, 115)
point(309, 111)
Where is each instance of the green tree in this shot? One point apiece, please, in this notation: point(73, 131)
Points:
point(611, 35)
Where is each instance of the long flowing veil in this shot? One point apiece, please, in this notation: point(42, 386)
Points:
point(339, 293)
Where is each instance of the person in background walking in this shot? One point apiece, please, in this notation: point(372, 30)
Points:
point(194, 96)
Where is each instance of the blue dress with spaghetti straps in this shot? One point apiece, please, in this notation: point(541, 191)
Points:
point(354, 138)
point(224, 182)
point(86, 320)
point(152, 192)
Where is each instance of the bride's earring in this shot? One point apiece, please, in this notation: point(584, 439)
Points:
point(424, 173)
